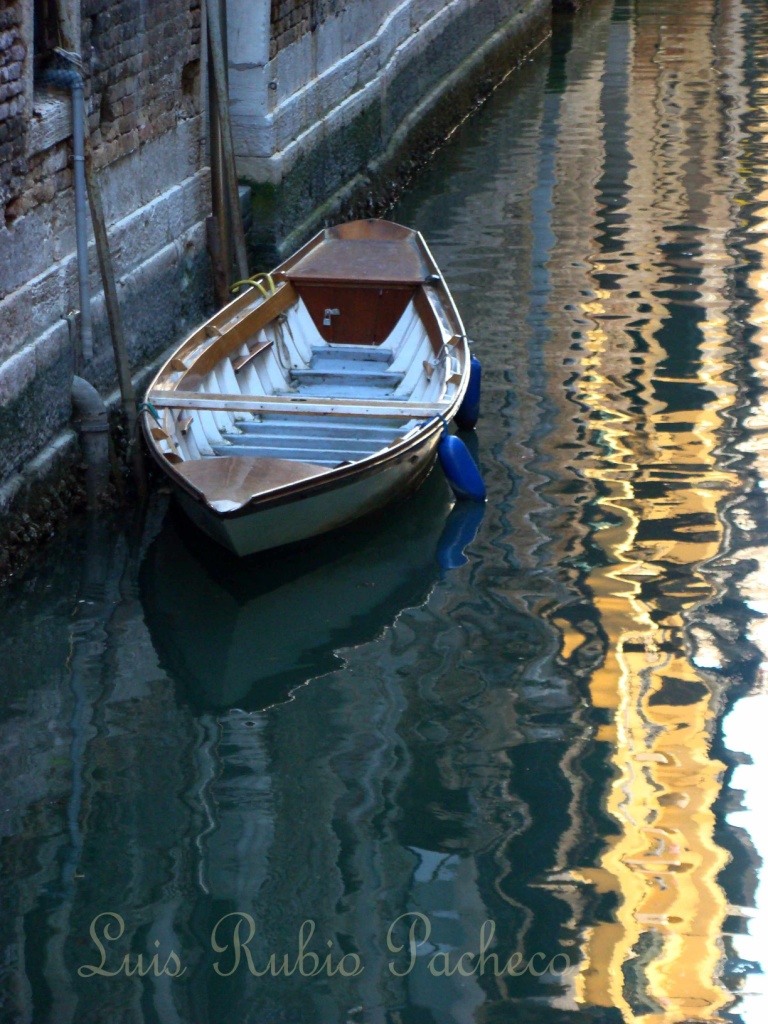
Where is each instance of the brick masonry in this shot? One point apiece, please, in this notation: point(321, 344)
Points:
point(13, 103)
point(142, 56)
point(292, 19)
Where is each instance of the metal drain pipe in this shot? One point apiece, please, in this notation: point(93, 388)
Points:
point(93, 428)
point(70, 78)
point(85, 174)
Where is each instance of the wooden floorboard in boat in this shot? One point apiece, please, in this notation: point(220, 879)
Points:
point(236, 479)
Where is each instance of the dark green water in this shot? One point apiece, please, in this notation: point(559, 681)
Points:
point(552, 752)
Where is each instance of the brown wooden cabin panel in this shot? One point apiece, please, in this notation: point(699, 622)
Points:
point(384, 263)
point(367, 315)
point(366, 229)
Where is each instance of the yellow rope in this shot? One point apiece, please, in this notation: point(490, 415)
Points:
point(256, 282)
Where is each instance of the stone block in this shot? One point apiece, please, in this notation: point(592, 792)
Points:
point(254, 145)
point(249, 92)
point(134, 178)
point(248, 32)
point(34, 398)
point(329, 45)
point(295, 68)
point(16, 373)
point(26, 249)
point(28, 312)
point(62, 223)
point(121, 187)
point(190, 206)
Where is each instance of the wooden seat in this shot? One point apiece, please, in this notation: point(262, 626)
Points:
point(359, 378)
point(321, 406)
point(236, 479)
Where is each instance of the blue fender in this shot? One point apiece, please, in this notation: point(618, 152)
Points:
point(460, 469)
point(469, 410)
point(459, 531)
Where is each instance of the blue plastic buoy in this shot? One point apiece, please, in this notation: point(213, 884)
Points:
point(469, 410)
point(460, 469)
point(459, 531)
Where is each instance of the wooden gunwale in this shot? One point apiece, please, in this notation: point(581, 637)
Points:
point(215, 325)
point(229, 339)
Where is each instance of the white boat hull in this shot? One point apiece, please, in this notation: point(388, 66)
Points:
point(310, 516)
point(317, 396)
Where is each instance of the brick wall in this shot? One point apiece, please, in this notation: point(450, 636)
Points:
point(144, 59)
point(141, 68)
point(13, 103)
point(292, 19)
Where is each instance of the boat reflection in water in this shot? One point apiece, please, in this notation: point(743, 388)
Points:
point(245, 633)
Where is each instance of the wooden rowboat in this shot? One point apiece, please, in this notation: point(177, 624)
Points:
point(318, 395)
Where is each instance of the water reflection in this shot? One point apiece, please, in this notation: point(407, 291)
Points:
point(652, 394)
point(549, 732)
point(246, 632)
point(642, 468)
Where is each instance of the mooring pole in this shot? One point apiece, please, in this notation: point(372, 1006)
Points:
point(221, 92)
point(217, 225)
point(115, 318)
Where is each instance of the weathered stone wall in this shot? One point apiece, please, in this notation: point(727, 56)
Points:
point(330, 98)
point(144, 103)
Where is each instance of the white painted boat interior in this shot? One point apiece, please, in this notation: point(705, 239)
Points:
point(288, 359)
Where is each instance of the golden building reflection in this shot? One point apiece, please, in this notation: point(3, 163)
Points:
point(654, 392)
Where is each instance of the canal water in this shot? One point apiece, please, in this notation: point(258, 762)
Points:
point(458, 764)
